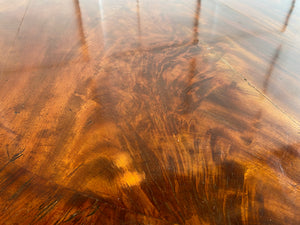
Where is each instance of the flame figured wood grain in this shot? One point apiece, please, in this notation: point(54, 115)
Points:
point(149, 112)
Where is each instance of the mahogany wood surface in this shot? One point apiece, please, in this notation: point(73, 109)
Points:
point(149, 112)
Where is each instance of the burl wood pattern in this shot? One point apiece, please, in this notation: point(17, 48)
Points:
point(149, 112)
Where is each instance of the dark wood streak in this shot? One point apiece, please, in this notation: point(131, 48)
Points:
point(149, 112)
point(286, 22)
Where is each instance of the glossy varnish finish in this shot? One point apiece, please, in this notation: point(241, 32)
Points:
point(149, 112)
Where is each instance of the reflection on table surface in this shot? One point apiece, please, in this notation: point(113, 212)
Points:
point(149, 112)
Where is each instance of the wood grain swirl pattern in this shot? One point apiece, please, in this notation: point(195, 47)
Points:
point(139, 112)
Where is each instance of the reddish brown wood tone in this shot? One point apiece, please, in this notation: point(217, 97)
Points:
point(149, 112)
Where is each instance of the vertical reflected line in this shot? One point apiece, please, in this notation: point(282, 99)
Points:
point(101, 21)
point(138, 21)
point(84, 47)
point(101, 9)
point(196, 22)
point(22, 20)
point(286, 22)
point(278, 50)
point(187, 99)
point(274, 60)
point(271, 68)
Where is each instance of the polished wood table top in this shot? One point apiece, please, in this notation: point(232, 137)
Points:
point(149, 112)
